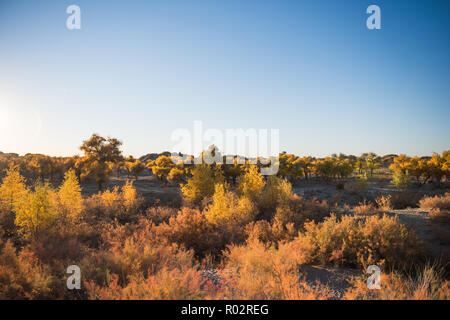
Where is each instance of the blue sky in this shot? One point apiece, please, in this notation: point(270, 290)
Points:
point(138, 70)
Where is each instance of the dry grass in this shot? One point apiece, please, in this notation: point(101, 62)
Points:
point(365, 209)
point(437, 202)
point(428, 285)
point(384, 203)
point(256, 271)
point(439, 207)
point(405, 199)
point(361, 241)
point(440, 215)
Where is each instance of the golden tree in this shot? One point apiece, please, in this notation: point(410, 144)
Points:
point(35, 213)
point(251, 184)
point(69, 200)
point(202, 182)
point(161, 167)
point(227, 208)
point(100, 153)
point(12, 191)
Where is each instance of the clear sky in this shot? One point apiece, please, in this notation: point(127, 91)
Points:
point(137, 70)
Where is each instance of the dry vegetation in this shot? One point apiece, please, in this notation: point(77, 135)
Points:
point(252, 233)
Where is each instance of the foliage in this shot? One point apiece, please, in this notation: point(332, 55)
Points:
point(36, 213)
point(70, 203)
point(22, 276)
point(360, 242)
point(201, 184)
point(428, 285)
point(251, 184)
point(255, 271)
point(100, 153)
point(227, 208)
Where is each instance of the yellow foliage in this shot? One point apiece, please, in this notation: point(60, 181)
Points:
point(35, 213)
point(129, 195)
point(226, 207)
point(12, 189)
point(201, 184)
point(251, 184)
point(277, 192)
point(69, 200)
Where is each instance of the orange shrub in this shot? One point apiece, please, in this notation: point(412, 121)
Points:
point(359, 242)
point(436, 202)
point(22, 276)
point(270, 233)
point(159, 214)
point(166, 284)
point(190, 229)
point(428, 286)
point(297, 210)
point(256, 271)
point(365, 209)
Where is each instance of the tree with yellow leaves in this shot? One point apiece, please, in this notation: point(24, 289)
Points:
point(251, 184)
point(100, 154)
point(69, 200)
point(201, 184)
point(227, 208)
point(134, 167)
point(161, 167)
point(35, 213)
point(12, 190)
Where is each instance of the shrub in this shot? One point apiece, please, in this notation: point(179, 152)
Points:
point(117, 203)
point(270, 233)
point(22, 276)
point(384, 203)
point(405, 199)
point(191, 229)
point(297, 210)
point(131, 251)
point(441, 215)
point(159, 214)
point(175, 175)
point(362, 181)
point(429, 285)
point(256, 271)
point(359, 242)
point(166, 284)
point(365, 209)
point(400, 179)
point(436, 202)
